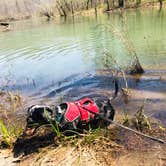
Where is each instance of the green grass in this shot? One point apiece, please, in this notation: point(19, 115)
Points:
point(10, 129)
point(9, 133)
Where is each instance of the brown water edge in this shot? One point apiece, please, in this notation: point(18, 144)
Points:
point(149, 87)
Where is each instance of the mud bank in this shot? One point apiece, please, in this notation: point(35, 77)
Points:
point(117, 147)
point(114, 146)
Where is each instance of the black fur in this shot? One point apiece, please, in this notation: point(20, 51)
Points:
point(40, 115)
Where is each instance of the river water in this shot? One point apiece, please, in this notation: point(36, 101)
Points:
point(47, 61)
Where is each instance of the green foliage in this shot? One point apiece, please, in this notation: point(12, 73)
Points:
point(9, 133)
point(91, 136)
point(125, 119)
point(9, 128)
point(4, 131)
point(54, 126)
point(87, 138)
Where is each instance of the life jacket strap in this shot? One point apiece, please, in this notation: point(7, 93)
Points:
point(78, 109)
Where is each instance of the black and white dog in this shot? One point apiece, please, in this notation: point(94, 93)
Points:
point(72, 115)
point(76, 115)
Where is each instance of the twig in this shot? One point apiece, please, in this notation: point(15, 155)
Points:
point(137, 132)
point(94, 157)
point(127, 128)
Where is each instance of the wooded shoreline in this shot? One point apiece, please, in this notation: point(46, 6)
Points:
point(23, 9)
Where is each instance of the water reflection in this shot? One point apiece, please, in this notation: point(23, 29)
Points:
point(37, 53)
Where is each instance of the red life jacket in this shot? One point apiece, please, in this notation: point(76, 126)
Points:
point(85, 109)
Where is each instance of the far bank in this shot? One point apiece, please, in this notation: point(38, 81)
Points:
point(24, 9)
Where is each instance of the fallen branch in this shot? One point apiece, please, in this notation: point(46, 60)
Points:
point(125, 127)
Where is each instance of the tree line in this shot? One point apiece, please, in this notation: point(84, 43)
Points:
point(65, 7)
point(18, 9)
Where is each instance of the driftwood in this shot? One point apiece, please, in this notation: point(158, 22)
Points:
point(129, 129)
point(5, 24)
point(135, 68)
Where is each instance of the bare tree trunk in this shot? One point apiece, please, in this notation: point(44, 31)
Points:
point(91, 3)
point(113, 3)
point(161, 4)
point(72, 8)
point(18, 8)
point(59, 10)
point(121, 3)
point(95, 6)
point(27, 8)
point(138, 2)
point(87, 5)
point(62, 9)
point(67, 5)
point(108, 5)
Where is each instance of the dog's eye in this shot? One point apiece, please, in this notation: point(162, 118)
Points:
point(87, 102)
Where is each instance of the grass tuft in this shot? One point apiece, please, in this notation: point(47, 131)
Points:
point(9, 128)
point(9, 134)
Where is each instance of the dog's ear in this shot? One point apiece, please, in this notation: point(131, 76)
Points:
point(29, 109)
point(37, 115)
point(29, 118)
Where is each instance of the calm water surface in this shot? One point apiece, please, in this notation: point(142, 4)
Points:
point(50, 59)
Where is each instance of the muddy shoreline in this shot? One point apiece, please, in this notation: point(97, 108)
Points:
point(117, 145)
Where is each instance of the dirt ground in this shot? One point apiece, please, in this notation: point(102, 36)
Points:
point(118, 148)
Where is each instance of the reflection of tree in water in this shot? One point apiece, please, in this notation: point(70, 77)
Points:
point(118, 33)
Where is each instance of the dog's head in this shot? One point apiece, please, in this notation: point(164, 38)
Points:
point(38, 115)
point(107, 111)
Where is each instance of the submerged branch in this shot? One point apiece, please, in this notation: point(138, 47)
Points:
point(136, 67)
